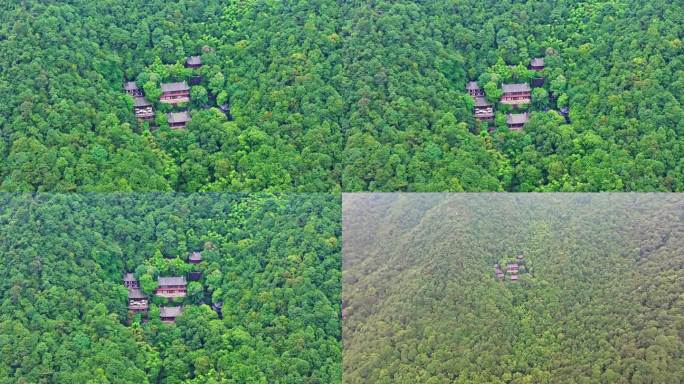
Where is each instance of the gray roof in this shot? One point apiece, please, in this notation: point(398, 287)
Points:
point(537, 62)
point(194, 60)
point(135, 293)
point(519, 87)
point(472, 85)
point(130, 86)
point(173, 87)
point(129, 277)
point(195, 256)
point(516, 118)
point(178, 117)
point(141, 102)
point(170, 311)
point(482, 102)
point(175, 280)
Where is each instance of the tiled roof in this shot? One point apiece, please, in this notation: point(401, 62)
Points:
point(519, 87)
point(173, 87)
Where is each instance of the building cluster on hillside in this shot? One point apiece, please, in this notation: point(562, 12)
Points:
point(167, 287)
point(171, 93)
point(512, 269)
point(515, 94)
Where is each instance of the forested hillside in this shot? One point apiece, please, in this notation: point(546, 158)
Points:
point(600, 297)
point(329, 95)
point(273, 261)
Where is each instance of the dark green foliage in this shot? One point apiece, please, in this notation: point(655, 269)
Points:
point(274, 262)
point(328, 96)
point(600, 297)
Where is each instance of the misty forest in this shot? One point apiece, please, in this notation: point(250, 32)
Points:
point(590, 288)
point(262, 305)
point(325, 95)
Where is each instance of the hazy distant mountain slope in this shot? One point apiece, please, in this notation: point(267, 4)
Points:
point(599, 298)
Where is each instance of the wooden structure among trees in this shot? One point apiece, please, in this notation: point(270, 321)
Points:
point(513, 271)
point(170, 287)
point(516, 121)
point(537, 64)
point(515, 94)
point(193, 62)
point(195, 258)
point(474, 89)
point(137, 301)
point(513, 268)
point(143, 109)
point(132, 89)
point(483, 110)
point(174, 93)
point(178, 120)
point(130, 281)
point(498, 272)
point(169, 314)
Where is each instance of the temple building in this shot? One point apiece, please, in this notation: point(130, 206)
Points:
point(174, 93)
point(513, 268)
point(474, 89)
point(169, 314)
point(178, 120)
point(516, 121)
point(130, 281)
point(143, 109)
point(171, 287)
point(498, 272)
point(193, 62)
point(132, 89)
point(516, 94)
point(137, 301)
point(195, 258)
point(483, 109)
point(537, 64)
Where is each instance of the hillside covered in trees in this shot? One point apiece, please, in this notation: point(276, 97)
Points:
point(272, 261)
point(328, 95)
point(600, 295)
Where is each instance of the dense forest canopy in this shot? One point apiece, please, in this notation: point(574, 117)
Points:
point(335, 95)
point(600, 297)
point(272, 261)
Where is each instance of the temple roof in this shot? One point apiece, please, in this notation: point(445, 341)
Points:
point(517, 118)
point(135, 293)
point(174, 280)
point(519, 87)
point(472, 86)
point(141, 102)
point(170, 311)
point(195, 256)
point(174, 87)
point(178, 117)
point(194, 60)
point(537, 62)
point(130, 86)
point(482, 102)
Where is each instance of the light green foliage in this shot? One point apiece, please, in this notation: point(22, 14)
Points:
point(599, 298)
